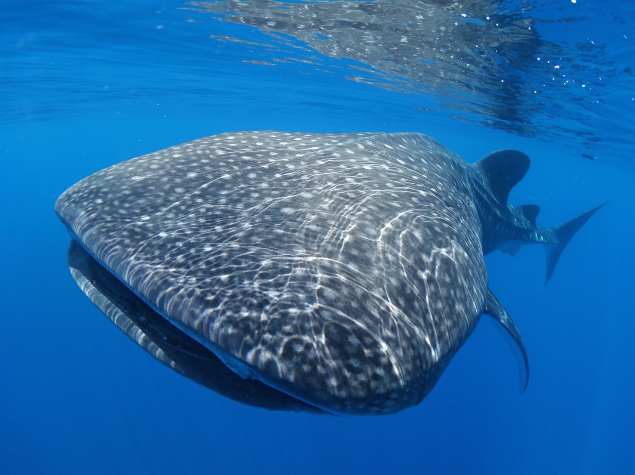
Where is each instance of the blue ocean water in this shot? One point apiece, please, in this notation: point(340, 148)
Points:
point(86, 84)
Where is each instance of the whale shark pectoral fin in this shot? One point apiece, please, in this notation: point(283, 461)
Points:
point(564, 232)
point(507, 328)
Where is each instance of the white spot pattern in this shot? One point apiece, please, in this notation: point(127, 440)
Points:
point(345, 269)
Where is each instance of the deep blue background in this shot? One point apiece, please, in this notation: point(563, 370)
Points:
point(76, 396)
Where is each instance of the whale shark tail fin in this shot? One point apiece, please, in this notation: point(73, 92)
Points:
point(564, 232)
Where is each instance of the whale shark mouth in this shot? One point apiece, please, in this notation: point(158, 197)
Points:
point(166, 342)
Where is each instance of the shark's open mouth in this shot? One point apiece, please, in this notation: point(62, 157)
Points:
point(168, 343)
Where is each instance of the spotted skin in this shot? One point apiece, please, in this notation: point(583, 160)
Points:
point(345, 270)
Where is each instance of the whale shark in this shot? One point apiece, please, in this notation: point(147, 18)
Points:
point(327, 273)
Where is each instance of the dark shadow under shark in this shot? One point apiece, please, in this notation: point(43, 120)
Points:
point(328, 273)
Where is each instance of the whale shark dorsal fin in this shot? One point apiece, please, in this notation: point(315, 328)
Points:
point(503, 170)
point(530, 212)
point(508, 329)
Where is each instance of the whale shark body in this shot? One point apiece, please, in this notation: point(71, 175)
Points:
point(328, 273)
